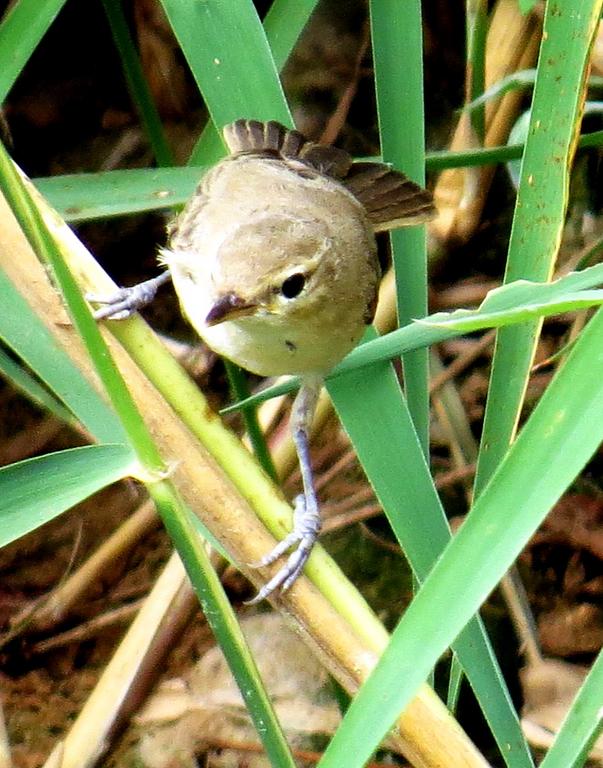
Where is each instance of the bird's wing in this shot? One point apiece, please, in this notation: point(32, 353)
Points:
point(390, 198)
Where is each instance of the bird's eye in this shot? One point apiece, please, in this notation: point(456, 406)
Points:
point(293, 285)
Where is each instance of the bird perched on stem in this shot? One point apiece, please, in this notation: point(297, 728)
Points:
point(274, 261)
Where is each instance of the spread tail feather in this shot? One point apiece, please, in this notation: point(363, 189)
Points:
point(390, 199)
point(255, 137)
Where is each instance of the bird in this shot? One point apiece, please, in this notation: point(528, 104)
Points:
point(274, 261)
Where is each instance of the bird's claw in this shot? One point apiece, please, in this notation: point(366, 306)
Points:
point(305, 532)
point(117, 306)
point(126, 301)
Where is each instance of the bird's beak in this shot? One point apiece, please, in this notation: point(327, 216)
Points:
point(229, 307)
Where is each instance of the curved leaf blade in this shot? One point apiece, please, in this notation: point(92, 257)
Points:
point(558, 439)
point(34, 491)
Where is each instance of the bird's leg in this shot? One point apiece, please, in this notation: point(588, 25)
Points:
point(125, 301)
point(306, 514)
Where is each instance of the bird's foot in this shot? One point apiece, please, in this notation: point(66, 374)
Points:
point(306, 527)
point(126, 301)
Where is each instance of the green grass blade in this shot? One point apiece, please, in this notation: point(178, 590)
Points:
point(29, 386)
point(137, 84)
point(239, 389)
point(397, 35)
point(34, 491)
point(454, 684)
point(582, 724)
point(23, 332)
point(477, 30)
point(509, 304)
point(402, 482)
point(283, 25)
point(398, 467)
point(230, 59)
point(560, 436)
point(540, 210)
point(223, 622)
point(24, 25)
point(436, 161)
point(524, 78)
point(89, 196)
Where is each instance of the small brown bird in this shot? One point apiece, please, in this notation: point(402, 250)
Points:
point(274, 261)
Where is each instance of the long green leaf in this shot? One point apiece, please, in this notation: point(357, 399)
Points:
point(28, 337)
point(137, 85)
point(507, 305)
point(476, 24)
point(24, 25)
point(558, 439)
point(436, 161)
point(29, 386)
point(568, 34)
point(283, 25)
point(230, 59)
point(522, 79)
point(86, 196)
point(34, 491)
point(401, 479)
point(397, 35)
point(239, 389)
point(581, 725)
point(89, 196)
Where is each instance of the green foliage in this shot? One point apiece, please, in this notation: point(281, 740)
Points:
point(551, 449)
point(518, 481)
point(25, 24)
point(37, 490)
